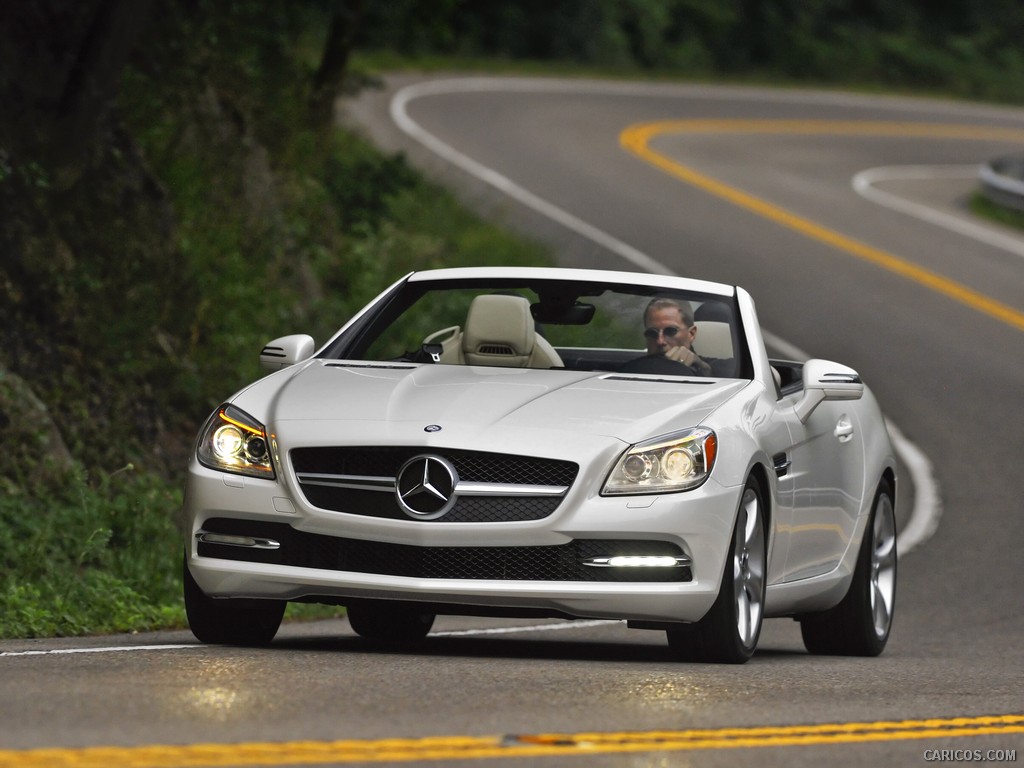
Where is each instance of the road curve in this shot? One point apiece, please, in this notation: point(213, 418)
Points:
point(740, 185)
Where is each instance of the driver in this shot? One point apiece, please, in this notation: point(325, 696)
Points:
point(669, 330)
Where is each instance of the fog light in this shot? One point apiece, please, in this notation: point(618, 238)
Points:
point(252, 542)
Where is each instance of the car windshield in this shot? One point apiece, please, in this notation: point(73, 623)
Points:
point(552, 325)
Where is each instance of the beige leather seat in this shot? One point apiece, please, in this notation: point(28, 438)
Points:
point(714, 340)
point(499, 330)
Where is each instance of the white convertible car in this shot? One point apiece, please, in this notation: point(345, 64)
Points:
point(520, 442)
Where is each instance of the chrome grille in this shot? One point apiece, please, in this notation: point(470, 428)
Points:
point(360, 481)
point(471, 465)
point(468, 509)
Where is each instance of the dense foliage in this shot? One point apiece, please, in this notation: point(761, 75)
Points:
point(173, 193)
point(212, 211)
point(963, 47)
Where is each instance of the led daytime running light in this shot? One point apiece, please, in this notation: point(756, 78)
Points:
point(239, 424)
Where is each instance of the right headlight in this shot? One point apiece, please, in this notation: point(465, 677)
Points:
point(233, 441)
point(676, 462)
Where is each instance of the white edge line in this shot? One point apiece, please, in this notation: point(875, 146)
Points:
point(502, 183)
point(108, 649)
point(682, 90)
point(788, 351)
point(530, 628)
point(924, 517)
point(864, 185)
point(194, 646)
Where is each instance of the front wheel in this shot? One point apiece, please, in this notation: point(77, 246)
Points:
point(860, 624)
point(729, 632)
point(389, 623)
point(230, 621)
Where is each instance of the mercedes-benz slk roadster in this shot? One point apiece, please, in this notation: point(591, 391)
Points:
point(520, 442)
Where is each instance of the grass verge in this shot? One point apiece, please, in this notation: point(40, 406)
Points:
point(987, 209)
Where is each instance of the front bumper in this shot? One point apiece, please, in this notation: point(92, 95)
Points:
point(331, 556)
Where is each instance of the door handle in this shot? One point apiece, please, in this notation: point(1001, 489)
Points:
point(844, 430)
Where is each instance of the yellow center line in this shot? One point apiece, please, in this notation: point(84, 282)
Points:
point(637, 138)
point(522, 746)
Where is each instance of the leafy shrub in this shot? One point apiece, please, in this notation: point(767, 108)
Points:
point(82, 558)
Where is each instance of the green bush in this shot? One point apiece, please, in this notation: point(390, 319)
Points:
point(86, 558)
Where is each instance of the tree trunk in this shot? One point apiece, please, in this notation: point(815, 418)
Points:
point(92, 84)
point(330, 76)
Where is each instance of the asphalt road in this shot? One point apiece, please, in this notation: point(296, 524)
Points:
point(749, 186)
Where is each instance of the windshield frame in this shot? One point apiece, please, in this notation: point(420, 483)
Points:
point(353, 342)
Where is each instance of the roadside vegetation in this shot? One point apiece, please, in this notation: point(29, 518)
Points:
point(982, 206)
point(175, 193)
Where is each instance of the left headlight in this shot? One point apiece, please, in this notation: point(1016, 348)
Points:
point(233, 441)
point(676, 462)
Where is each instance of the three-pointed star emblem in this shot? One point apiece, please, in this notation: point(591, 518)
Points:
point(426, 487)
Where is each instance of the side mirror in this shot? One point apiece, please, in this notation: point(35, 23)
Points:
point(825, 380)
point(287, 350)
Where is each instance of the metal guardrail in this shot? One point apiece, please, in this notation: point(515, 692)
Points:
point(1002, 181)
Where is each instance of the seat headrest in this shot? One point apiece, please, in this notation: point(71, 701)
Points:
point(713, 311)
point(499, 330)
point(713, 340)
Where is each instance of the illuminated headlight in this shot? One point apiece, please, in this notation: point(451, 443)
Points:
point(676, 462)
point(233, 441)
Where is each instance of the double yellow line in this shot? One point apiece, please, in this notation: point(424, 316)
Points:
point(515, 746)
point(637, 138)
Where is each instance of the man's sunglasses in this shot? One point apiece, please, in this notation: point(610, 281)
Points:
point(668, 332)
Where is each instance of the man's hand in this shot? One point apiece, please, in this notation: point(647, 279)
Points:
point(689, 358)
point(682, 355)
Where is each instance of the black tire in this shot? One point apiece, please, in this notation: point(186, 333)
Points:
point(729, 632)
point(230, 621)
point(860, 624)
point(389, 623)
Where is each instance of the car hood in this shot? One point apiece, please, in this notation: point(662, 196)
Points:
point(625, 407)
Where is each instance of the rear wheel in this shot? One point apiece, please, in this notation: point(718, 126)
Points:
point(389, 623)
point(230, 621)
point(729, 632)
point(860, 624)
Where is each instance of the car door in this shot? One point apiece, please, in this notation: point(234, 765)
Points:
point(824, 478)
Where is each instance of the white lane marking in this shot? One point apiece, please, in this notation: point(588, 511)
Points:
point(502, 183)
point(108, 649)
point(531, 628)
point(193, 646)
point(864, 185)
point(488, 84)
point(924, 517)
point(787, 350)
